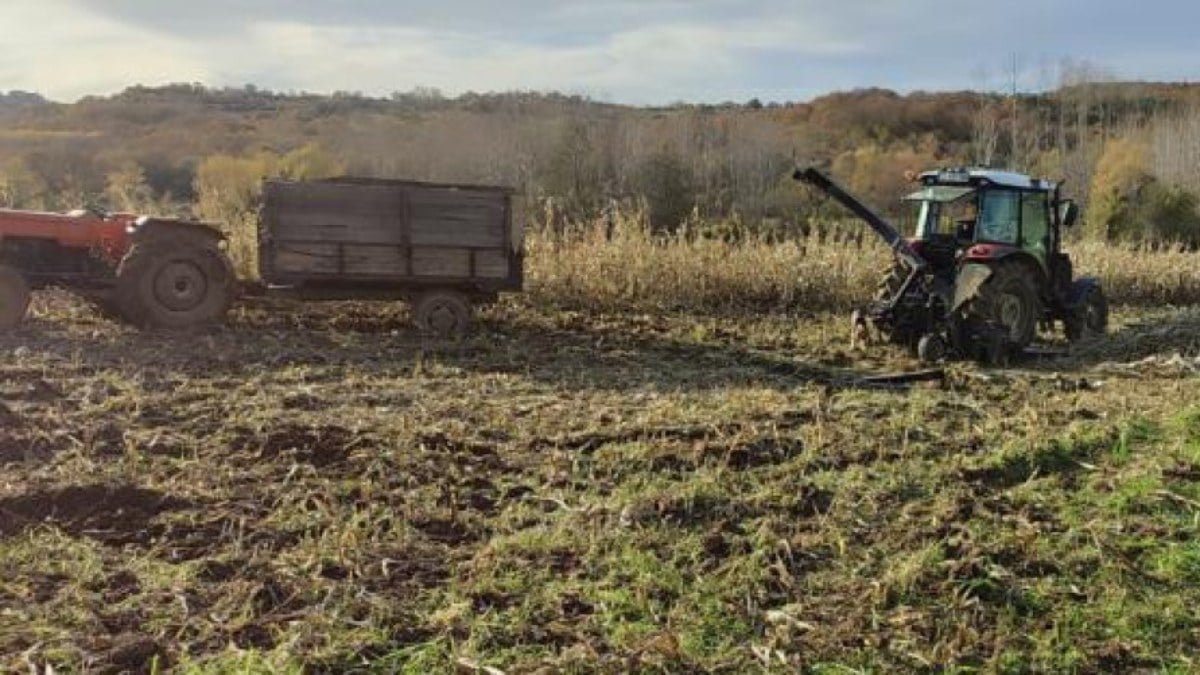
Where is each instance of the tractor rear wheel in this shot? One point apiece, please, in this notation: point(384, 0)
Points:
point(1009, 300)
point(1089, 317)
point(174, 283)
point(14, 298)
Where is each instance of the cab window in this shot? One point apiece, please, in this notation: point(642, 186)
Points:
point(1035, 223)
point(999, 218)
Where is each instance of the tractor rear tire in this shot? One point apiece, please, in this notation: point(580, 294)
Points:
point(1009, 299)
point(174, 284)
point(14, 298)
point(442, 313)
point(1089, 318)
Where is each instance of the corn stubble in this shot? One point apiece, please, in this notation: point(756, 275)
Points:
point(652, 461)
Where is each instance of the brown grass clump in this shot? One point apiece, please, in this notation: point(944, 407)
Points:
point(634, 269)
point(1141, 277)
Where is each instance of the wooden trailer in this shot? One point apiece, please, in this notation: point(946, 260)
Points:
point(444, 248)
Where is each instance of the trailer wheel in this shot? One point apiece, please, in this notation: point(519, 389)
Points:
point(169, 283)
point(14, 298)
point(442, 313)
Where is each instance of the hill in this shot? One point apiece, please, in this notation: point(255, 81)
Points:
point(575, 157)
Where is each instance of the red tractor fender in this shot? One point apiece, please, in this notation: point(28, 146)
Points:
point(991, 254)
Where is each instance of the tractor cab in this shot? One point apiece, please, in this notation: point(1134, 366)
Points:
point(985, 214)
point(946, 216)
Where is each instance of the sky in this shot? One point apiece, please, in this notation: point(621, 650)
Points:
point(638, 52)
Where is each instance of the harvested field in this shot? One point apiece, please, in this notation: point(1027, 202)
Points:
point(315, 488)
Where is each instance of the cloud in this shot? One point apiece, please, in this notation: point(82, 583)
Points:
point(55, 48)
point(645, 63)
point(643, 51)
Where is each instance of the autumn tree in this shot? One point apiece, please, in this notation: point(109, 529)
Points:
point(879, 174)
point(229, 192)
point(1130, 203)
point(21, 188)
point(665, 184)
point(1122, 173)
point(127, 190)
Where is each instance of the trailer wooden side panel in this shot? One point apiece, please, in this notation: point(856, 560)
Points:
point(324, 212)
point(456, 219)
point(333, 259)
point(389, 231)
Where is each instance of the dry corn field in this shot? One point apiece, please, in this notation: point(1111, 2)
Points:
point(661, 458)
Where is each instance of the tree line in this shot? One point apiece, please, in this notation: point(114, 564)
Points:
point(1128, 151)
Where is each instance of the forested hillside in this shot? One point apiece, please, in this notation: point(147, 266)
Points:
point(1130, 151)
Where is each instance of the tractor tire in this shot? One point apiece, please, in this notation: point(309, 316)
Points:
point(888, 286)
point(931, 349)
point(442, 313)
point(1009, 300)
point(14, 298)
point(1089, 318)
point(174, 284)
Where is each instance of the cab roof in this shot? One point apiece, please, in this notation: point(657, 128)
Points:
point(978, 177)
point(940, 193)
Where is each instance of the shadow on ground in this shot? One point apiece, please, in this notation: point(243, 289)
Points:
point(578, 353)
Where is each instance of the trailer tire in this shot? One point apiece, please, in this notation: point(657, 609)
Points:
point(442, 313)
point(174, 284)
point(14, 298)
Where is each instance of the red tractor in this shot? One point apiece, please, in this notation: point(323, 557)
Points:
point(985, 268)
point(152, 272)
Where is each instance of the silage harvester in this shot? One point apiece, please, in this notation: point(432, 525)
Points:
point(983, 270)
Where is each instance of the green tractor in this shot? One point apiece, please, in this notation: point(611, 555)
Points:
point(984, 269)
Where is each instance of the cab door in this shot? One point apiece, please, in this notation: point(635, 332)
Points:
point(1035, 225)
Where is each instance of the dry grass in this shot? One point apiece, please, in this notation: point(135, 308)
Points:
point(635, 271)
point(1138, 277)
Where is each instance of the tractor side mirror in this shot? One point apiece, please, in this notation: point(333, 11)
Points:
point(1068, 213)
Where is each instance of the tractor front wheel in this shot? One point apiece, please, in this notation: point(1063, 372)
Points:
point(1009, 301)
point(889, 286)
point(14, 298)
point(174, 284)
point(1089, 317)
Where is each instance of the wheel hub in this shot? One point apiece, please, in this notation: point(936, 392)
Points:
point(442, 319)
point(180, 286)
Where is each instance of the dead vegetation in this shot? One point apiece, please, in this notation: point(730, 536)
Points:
point(618, 265)
point(681, 485)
